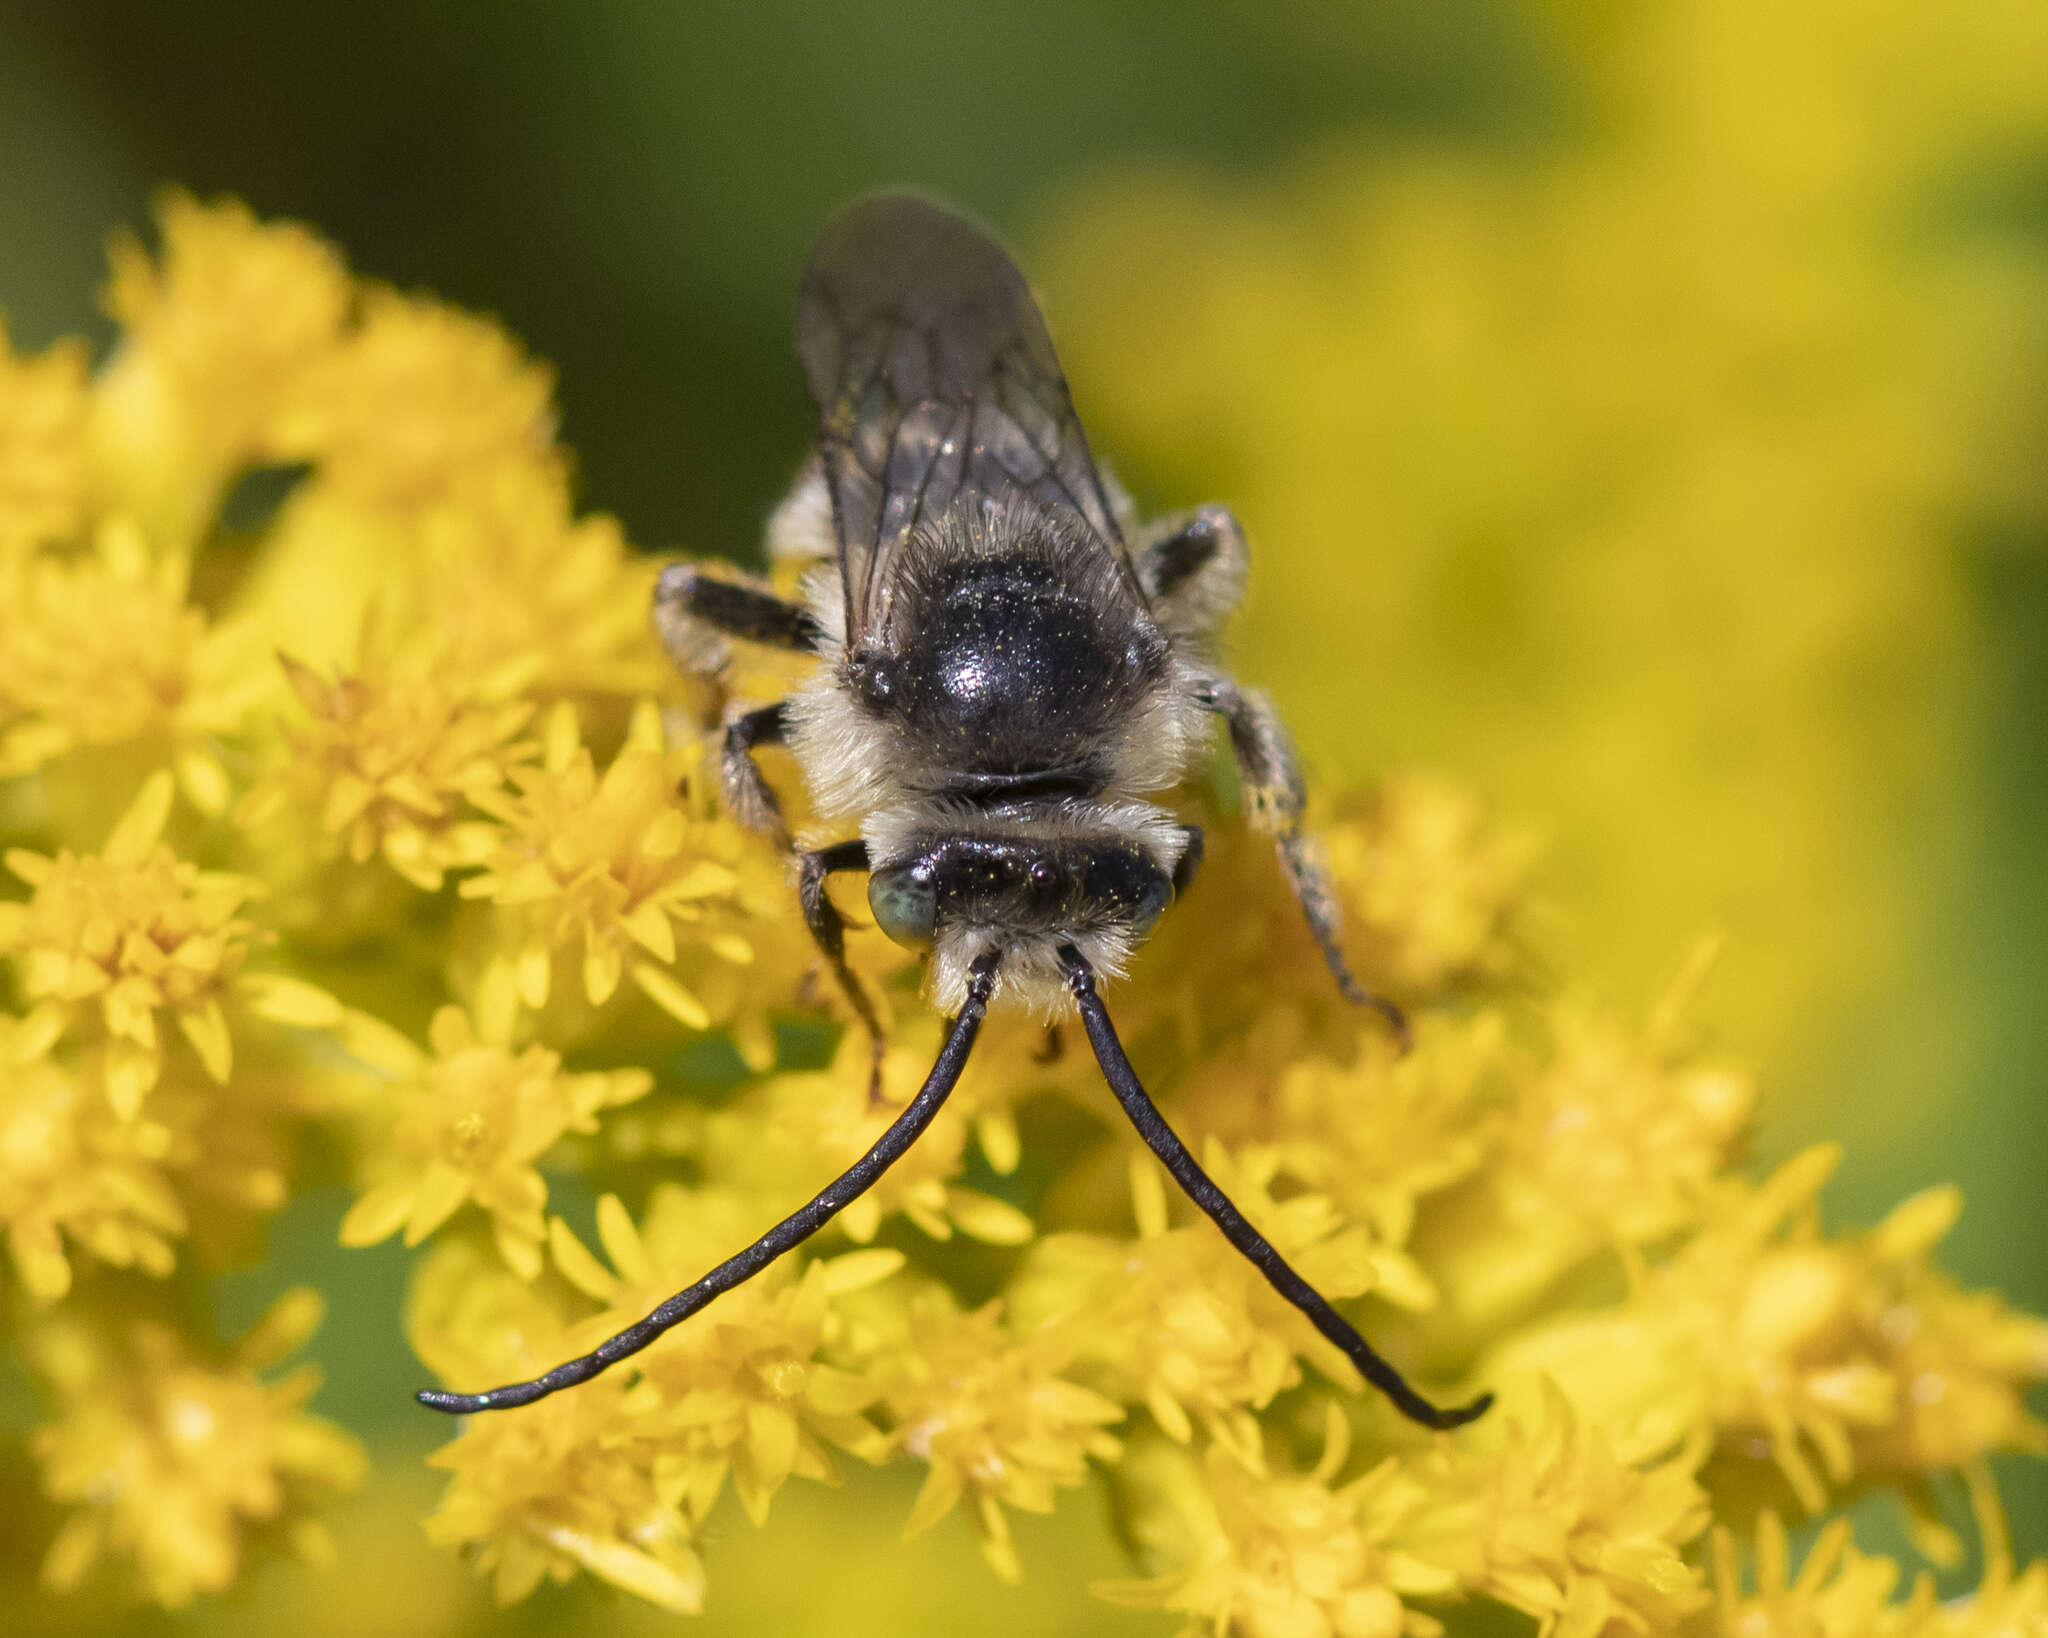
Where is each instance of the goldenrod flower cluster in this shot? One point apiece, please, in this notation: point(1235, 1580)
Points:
point(1632, 463)
point(373, 817)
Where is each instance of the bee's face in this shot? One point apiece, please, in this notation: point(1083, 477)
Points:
point(1017, 888)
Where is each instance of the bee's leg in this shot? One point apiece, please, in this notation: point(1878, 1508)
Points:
point(828, 932)
point(748, 796)
point(695, 612)
point(1192, 566)
point(751, 800)
point(1274, 798)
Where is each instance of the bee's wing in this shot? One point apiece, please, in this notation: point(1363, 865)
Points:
point(934, 379)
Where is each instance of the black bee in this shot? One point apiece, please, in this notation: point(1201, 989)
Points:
point(1003, 685)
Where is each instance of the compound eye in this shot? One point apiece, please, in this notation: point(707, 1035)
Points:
point(1153, 898)
point(905, 904)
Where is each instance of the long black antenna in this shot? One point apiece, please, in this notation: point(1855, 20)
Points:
point(791, 1232)
point(1257, 1249)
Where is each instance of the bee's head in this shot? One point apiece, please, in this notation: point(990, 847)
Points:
point(1023, 889)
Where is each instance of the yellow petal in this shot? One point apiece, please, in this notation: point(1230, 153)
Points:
point(649, 927)
point(284, 1329)
point(437, 1196)
point(408, 852)
point(520, 1254)
point(670, 996)
point(857, 1270)
point(205, 782)
point(602, 963)
point(680, 1590)
point(731, 947)
point(38, 1253)
point(347, 799)
point(1918, 1224)
point(622, 1242)
point(996, 1131)
point(577, 1265)
point(32, 868)
point(131, 1072)
point(378, 1044)
point(935, 1500)
point(702, 880)
point(206, 1027)
point(73, 1551)
point(288, 1001)
point(379, 1214)
point(560, 737)
point(983, 1217)
point(643, 728)
point(1148, 1197)
point(137, 832)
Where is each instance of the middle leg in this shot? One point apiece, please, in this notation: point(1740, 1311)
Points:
point(1275, 799)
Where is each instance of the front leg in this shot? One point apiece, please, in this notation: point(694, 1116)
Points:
point(748, 796)
point(752, 801)
point(1274, 799)
point(828, 932)
point(696, 613)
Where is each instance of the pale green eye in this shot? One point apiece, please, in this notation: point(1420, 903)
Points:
point(1151, 905)
point(905, 905)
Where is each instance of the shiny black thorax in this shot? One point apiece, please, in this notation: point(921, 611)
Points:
point(1012, 677)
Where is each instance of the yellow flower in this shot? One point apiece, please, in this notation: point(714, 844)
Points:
point(1612, 1141)
point(1236, 949)
point(172, 1458)
point(71, 1167)
point(516, 583)
point(1589, 468)
point(1177, 1321)
point(991, 1417)
point(1841, 1592)
point(42, 445)
point(1378, 1132)
point(104, 650)
point(788, 1136)
point(390, 755)
point(132, 931)
point(1556, 1525)
point(566, 1485)
point(1852, 1353)
point(617, 865)
point(613, 1480)
point(1541, 1198)
point(417, 401)
point(1838, 1592)
point(1429, 884)
point(217, 332)
point(1279, 1555)
point(468, 1124)
point(1812, 1362)
point(743, 1389)
point(562, 1487)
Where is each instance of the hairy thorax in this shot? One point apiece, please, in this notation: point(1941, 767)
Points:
point(996, 679)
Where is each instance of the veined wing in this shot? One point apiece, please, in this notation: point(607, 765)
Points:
point(934, 381)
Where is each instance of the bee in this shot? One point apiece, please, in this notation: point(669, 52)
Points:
point(1004, 687)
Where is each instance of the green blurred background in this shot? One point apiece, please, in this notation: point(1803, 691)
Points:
point(1641, 415)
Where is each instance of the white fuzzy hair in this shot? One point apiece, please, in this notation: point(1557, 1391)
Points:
point(1029, 975)
point(853, 762)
